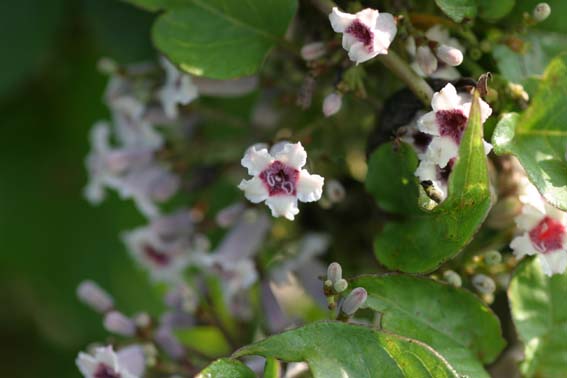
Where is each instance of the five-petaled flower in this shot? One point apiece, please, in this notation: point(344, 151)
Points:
point(279, 179)
point(104, 364)
point(365, 34)
point(543, 233)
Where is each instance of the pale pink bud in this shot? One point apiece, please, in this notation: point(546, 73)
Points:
point(484, 284)
point(167, 341)
point(120, 324)
point(335, 191)
point(332, 104)
point(541, 12)
point(94, 296)
point(354, 300)
point(450, 55)
point(426, 60)
point(312, 51)
point(334, 272)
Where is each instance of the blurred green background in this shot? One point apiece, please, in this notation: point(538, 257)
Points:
point(50, 237)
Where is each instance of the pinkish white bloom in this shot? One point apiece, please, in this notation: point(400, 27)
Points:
point(332, 104)
point(543, 232)
point(118, 323)
point(94, 296)
point(365, 34)
point(447, 123)
point(178, 89)
point(104, 363)
point(279, 180)
point(449, 55)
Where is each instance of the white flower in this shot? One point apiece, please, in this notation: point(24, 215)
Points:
point(164, 255)
point(426, 60)
point(543, 231)
point(365, 34)
point(104, 363)
point(447, 123)
point(437, 176)
point(178, 89)
point(279, 179)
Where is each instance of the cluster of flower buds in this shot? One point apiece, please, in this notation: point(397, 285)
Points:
point(436, 54)
point(335, 285)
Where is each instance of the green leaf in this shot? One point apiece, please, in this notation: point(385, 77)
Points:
point(337, 350)
point(458, 9)
point(539, 311)
point(422, 243)
point(491, 10)
point(453, 321)
point(226, 368)
point(538, 137)
point(222, 39)
point(272, 368)
point(206, 339)
point(391, 179)
point(155, 5)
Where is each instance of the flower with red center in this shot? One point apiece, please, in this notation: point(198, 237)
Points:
point(279, 179)
point(447, 122)
point(365, 34)
point(107, 364)
point(543, 232)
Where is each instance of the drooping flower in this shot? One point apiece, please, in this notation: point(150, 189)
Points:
point(543, 232)
point(164, 251)
point(365, 34)
point(447, 123)
point(105, 363)
point(178, 89)
point(279, 179)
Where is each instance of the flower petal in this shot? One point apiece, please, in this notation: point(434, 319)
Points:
point(368, 17)
point(256, 160)
point(87, 364)
point(254, 189)
point(386, 25)
point(446, 99)
point(522, 246)
point(529, 218)
point(283, 206)
point(293, 155)
point(340, 20)
point(309, 187)
point(553, 263)
point(441, 150)
point(427, 123)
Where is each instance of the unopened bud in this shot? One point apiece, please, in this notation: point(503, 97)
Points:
point(107, 66)
point(312, 51)
point(450, 55)
point(142, 320)
point(94, 296)
point(518, 92)
point(484, 284)
point(354, 301)
point(341, 285)
point(452, 278)
point(334, 272)
point(541, 12)
point(169, 343)
point(492, 257)
point(332, 104)
point(426, 60)
point(229, 215)
point(118, 323)
point(335, 191)
point(328, 284)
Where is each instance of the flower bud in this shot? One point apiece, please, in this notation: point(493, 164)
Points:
point(142, 320)
point(94, 296)
point(341, 285)
point(107, 66)
point(484, 284)
point(426, 60)
point(450, 55)
point(334, 272)
point(541, 12)
point(167, 341)
point(120, 324)
point(492, 257)
point(452, 278)
point(229, 215)
point(335, 191)
point(312, 51)
point(332, 104)
point(518, 92)
point(354, 300)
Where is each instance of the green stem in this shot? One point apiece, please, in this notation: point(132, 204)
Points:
point(404, 72)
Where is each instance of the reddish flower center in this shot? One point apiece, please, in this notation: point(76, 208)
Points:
point(444, 173)
point(548, 235)
point(104, 371)
point(451, 123)
point(157, 257)
point(421, 140)
point(362, 33)
point(280, 179)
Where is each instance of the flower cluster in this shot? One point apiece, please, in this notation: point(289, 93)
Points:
point(436, 136)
